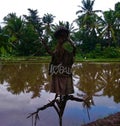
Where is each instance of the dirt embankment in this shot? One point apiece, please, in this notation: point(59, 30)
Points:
point(112, 120)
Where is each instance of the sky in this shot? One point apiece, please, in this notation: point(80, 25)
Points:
point(63, 10)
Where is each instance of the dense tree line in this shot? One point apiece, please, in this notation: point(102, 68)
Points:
point(95, 36)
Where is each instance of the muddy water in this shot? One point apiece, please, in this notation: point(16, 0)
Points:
point(24, 87)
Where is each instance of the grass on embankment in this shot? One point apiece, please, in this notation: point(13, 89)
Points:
point(48, 58)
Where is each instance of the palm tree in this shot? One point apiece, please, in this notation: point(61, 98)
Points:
point(109, 26)
point(34, 20)
point(88, 23)
point(39, 27)
point(48, 26)
point(48, 20)
point(88, 15)
point(117, 13)
point(14, 28)
point(14, 24)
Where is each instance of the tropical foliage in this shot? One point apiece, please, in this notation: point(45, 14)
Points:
point(96, 33)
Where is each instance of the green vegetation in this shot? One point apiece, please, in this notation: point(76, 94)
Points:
point(96, 37)
point(46, 59)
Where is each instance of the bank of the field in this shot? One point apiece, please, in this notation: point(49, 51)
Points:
point(111, 120)
point(48, 58)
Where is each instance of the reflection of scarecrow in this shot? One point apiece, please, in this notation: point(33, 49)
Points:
point(59, 106)
point(61, 63)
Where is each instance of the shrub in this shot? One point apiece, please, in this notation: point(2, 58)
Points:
point(111, 52)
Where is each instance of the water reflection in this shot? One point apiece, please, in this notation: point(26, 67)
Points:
point(59, 104)
point(25, 78)
point(99, 77)
point(92, 79)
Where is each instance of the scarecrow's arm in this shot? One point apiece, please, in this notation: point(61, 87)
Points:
point(46, 46)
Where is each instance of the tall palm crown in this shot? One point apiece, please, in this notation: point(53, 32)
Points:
point(48, 20)
point(88, 23)
point(34, 19)
point(87, 6)
point(109, 26)
point(13, 23)
point(88, 15)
